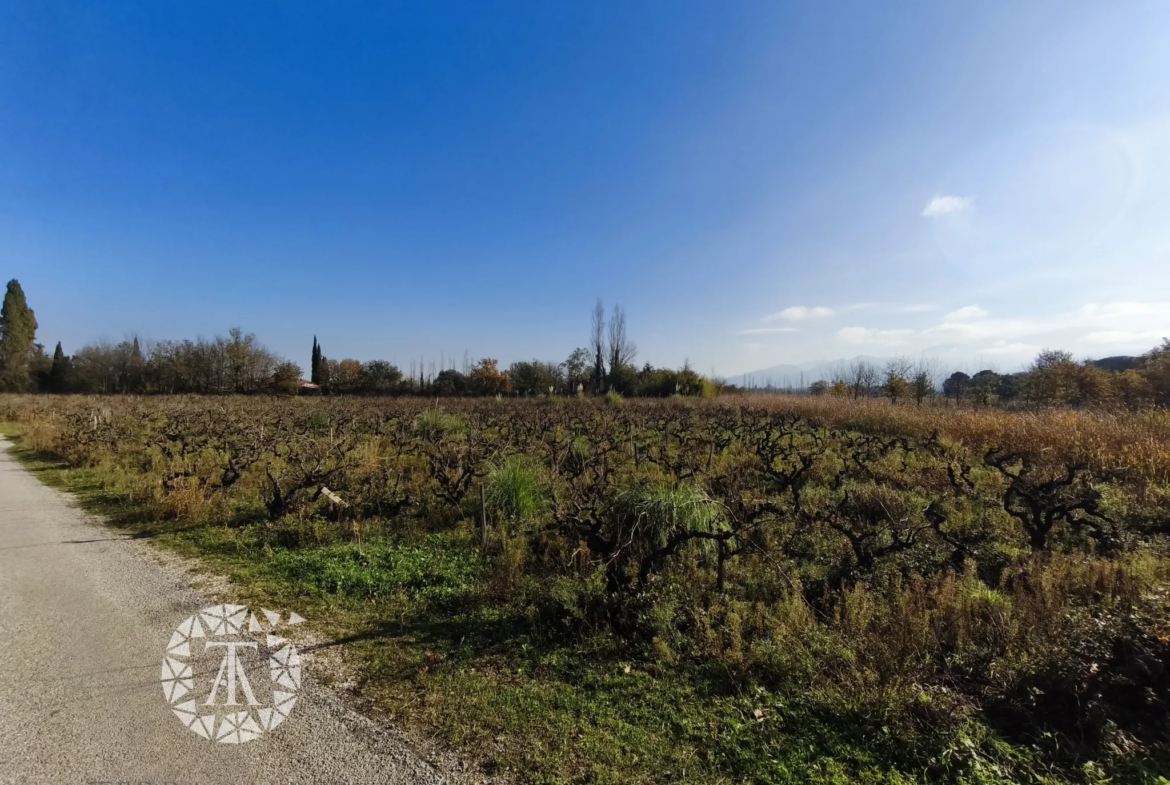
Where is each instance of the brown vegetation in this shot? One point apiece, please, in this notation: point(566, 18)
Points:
point(923, 568)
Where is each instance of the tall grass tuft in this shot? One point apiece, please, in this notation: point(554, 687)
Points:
point(516, 489)
point(660, 511)
point(434, 423)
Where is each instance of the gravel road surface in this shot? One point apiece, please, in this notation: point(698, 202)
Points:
point(85, 617)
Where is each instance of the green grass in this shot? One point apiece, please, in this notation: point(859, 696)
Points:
point(424, 574)
point(436, 656)
point(515, 489)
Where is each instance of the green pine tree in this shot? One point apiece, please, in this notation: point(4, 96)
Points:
point(59, 373)
point(18, 329)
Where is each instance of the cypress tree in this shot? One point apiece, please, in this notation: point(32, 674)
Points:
point(323, 371)
point(137, 376)
point(315, 363)
point(59, 373)
point(18, 329)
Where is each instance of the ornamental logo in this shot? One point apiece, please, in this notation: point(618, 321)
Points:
point(228, 676)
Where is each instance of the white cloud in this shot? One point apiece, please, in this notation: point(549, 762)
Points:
point(1105, 337)
point(1095, 324)
point(1097, 310)
point(874, 336)
point(887, 308)
point(768, 330)
point(1003, 347)
point(942, 205)
point(965, 313)
point(972, 330)
point(799, 313)
point(1093, 330)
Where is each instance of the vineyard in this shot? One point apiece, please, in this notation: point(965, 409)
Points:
point(764, 589)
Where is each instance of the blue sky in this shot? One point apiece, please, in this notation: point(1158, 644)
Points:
point(755, 182)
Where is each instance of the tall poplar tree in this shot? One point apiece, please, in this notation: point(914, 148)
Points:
point(18, 329)
point(597, 343)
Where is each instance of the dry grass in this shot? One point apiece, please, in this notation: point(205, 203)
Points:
point(1130, 445)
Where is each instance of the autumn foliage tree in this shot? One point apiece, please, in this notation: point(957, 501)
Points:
point(488, 379)
point(349, 376)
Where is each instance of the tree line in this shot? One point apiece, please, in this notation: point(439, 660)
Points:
point(239, 363)
point(1054, 378)
point(605, 366)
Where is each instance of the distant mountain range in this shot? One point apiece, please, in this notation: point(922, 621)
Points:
point(802, 375)
point(797, 376)
point(1119, 363)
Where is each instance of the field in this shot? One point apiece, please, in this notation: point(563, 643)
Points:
point(759, 589)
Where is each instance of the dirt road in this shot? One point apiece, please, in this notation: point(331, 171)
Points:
point(85, 617)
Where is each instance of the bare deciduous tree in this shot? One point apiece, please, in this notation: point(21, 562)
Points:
point(597, 344)
point(925, 380)
point(863, 377)
point(622, 351)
